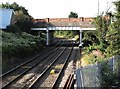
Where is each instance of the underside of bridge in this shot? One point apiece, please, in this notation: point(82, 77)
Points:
point(74, 24)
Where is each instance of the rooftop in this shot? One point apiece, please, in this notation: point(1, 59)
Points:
point(6, 15)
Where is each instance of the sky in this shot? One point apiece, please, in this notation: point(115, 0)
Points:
point(62, 8)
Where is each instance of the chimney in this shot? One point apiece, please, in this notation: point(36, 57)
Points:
point(48, 20)
point(82, 19)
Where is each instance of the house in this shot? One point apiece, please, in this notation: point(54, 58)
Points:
point(7, 17)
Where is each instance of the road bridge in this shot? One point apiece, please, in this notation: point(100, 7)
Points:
point(52, 24)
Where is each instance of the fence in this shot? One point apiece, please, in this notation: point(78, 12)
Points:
point(93, 75)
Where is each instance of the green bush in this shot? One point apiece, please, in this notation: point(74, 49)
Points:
point(20, 45)
point(109, 78)
point(67, 34)
point(13, 28)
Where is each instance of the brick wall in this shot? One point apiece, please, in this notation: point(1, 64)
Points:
point(88, 19)
point(81, 19)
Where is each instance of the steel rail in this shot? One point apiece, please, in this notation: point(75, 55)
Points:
point(28, 61)
point(29, 69)
point(35, 81)
point(69, 82)
point(70, 85)
point(68, 56)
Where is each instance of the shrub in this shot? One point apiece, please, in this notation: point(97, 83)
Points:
point(20, 45)
point(109, 78)
point(13, 28)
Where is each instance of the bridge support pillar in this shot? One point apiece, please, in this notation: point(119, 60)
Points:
point(80, 40)
point(47, 37)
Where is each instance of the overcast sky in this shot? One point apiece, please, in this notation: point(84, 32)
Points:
point(62, 8)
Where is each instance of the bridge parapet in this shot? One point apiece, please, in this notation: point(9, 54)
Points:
point(65, 22)
point(81, 19)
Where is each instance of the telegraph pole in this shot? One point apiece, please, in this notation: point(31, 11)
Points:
point(9, 1)
point(98, 7)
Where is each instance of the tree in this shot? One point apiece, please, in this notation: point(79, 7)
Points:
point(73, 15)
point(23, 19)
point(98, 37)
point(107, 34)
point(113, 34)
point(15, 7)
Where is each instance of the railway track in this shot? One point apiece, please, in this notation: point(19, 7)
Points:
point(36, 75)
point(10, 76)
point(55, 85)
point(8, 72)
point(69, 83)
point(68, 79)
point(50, 80)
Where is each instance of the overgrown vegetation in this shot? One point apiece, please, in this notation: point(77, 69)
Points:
point(109, 76)
point(18, 41)
point(22, 18)
point(103, 43)
point(20, 45)
point(106, 36)
point(65, 34)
